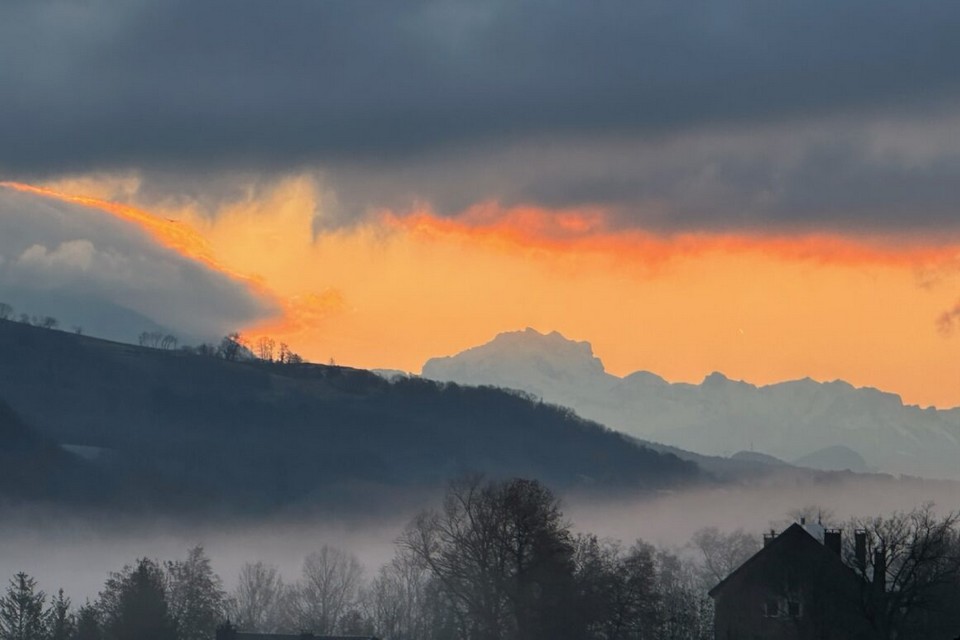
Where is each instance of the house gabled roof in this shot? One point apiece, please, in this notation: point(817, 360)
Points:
point(793, 533)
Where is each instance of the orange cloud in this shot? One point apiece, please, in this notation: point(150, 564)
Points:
point(589, 230)
point(395, 290)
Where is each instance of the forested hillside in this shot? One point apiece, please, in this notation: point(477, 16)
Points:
point(180, 430)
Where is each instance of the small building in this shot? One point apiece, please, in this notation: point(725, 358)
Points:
point(796, 587)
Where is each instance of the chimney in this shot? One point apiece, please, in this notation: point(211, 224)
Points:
point(769, 537)
point(832, 540)
point(880, 570)
point(860, 549)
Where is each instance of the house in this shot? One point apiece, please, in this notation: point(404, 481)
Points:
point(227, 631)
point(796, 587)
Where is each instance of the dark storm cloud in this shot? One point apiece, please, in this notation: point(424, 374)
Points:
point(363, 90)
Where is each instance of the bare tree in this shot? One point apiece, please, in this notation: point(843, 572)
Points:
point(256, 604)
point(328, 589)
point(169, 342)
point(265, 346)
point(912, 565)
point(503, 557)
point(150, 339)
point(48, 322)
point(401, 600)
point(195, 595)
point(6, 311)
point(231, 346)
point(723, 552)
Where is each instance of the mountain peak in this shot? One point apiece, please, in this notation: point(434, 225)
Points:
point(538, 363)
point(551, 350)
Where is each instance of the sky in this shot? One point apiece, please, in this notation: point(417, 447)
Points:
point(770, 190)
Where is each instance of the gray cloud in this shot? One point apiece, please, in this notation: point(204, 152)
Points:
point(368, 91)
point(840, 174)
point(88, 268)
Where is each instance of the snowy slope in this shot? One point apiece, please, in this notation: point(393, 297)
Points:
point(720, 416)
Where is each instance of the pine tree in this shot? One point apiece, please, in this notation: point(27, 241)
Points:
point(88, 624)
point(21, 610)
point(60, 622)
point(134, 605)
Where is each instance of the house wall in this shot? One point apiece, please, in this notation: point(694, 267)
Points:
point(796, 569)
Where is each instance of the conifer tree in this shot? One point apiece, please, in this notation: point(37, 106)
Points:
point(134, 605)
point(88, 624)
point(21, 610)
point(60, 622)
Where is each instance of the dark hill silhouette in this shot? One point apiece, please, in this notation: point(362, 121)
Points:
point(35, 468)
point(184, 431)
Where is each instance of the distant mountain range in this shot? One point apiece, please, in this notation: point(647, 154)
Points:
point(87, 420)
point(829, 425)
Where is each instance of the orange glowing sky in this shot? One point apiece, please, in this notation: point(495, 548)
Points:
point(396, 290)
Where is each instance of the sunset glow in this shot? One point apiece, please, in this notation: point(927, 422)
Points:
point(763, 308)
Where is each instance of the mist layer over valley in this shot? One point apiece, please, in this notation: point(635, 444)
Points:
point(120, 458)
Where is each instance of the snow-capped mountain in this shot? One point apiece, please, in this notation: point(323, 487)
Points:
point(789, 420)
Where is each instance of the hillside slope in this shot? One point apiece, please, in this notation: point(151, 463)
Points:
point(192, 431)
point(789, 420)
point(35, 468)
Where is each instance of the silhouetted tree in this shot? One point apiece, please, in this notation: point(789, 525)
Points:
point(6, 311)
point(61, 624)
point(169, 342)
point(722, 552)
point(399, 599)
point(230, 347)
point(195, 595)
point(617, 591)
point(914, 573)
point(265, 346)
point(328, 589)
point(48, 322)
point(503, 557)
point(256, 603)
point(150, 339)
point(88, 624)
point(21, 610)
point(134, 605)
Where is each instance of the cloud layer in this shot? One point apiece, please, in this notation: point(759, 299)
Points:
point(90, 269)
point(674, 115)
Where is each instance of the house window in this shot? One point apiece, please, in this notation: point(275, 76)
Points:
point(794, 609)
point(771, 608)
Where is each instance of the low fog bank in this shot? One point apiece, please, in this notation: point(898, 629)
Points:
point(671, 519)
point(77, 551)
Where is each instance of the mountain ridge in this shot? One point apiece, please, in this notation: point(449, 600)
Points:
point(719, 416)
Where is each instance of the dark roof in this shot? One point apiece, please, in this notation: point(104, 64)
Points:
point(795, 533)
